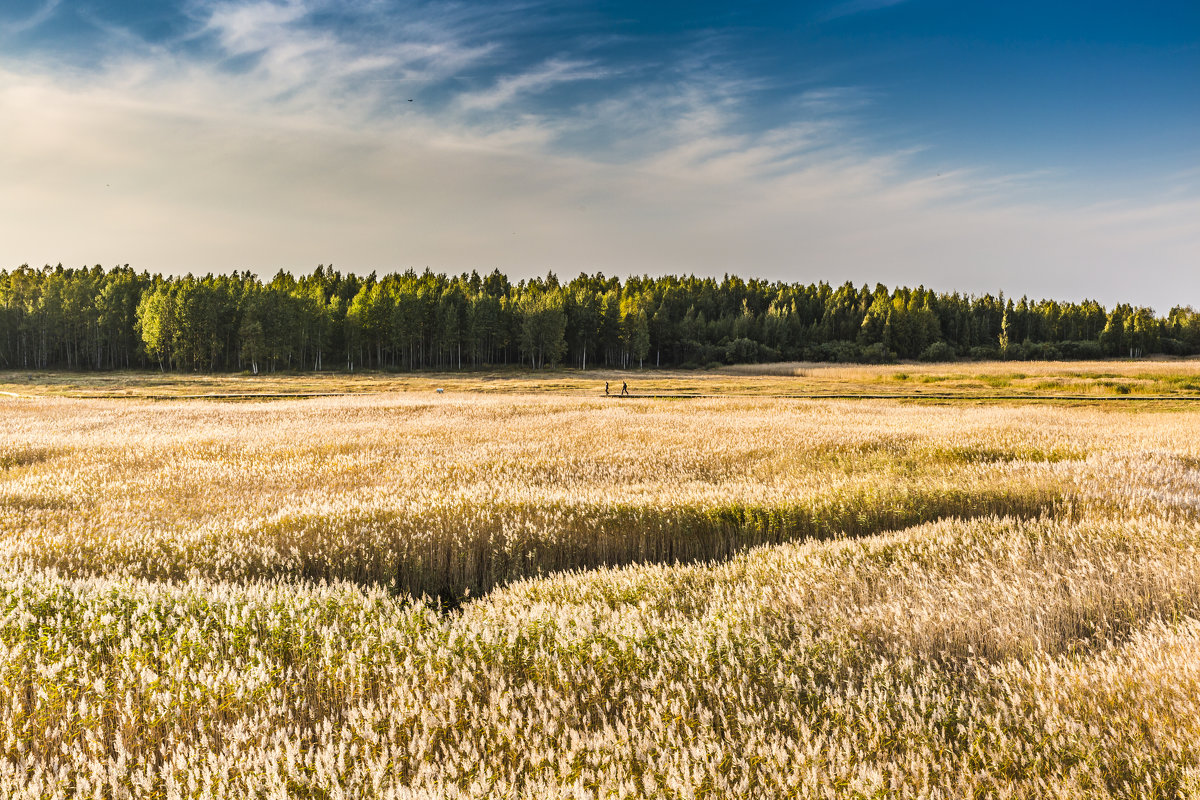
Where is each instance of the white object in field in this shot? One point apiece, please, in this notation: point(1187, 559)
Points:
point(439, 391)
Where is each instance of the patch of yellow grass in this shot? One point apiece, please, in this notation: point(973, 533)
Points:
point(724, 598)
point(1166, 377)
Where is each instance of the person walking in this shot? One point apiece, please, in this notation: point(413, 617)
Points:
point(606, 387)
point(624, 388)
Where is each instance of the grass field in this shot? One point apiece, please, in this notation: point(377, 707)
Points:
point(1174, 378)
point(521, 588)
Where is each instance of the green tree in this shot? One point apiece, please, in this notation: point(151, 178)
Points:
point(543, 328)
point(639, 336)
point(1004, 339)
point(156, 324)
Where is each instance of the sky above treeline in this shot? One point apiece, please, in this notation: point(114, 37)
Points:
point(1041, 148)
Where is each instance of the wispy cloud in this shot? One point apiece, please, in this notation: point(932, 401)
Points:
point(275, 141)
point(39, 17)
point(540, 78)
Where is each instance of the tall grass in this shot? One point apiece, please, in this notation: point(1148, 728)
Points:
point(456, 498)
point(828, 600)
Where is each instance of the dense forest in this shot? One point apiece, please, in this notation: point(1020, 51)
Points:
point(95, 319)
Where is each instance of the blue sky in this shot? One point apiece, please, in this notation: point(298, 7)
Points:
point(1050, 149)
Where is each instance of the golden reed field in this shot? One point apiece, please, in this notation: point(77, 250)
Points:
point(553, 594)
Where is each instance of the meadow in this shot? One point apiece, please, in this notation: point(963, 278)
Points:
point(1163, 377)
point(521, 588)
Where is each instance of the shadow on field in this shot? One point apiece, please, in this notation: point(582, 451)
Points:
point(540, 541)
point(463, 549)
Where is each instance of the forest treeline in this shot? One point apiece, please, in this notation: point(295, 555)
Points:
point(95, 319)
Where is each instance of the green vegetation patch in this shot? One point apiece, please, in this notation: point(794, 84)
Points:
point(982, 454)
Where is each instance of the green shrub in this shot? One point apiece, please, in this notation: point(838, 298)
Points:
point(938, 351)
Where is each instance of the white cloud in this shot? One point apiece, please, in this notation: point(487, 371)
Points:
point(42, 15)
point(253, 27)
point(540, 78)
point(173, 164)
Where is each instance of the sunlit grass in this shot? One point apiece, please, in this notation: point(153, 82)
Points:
point(717, 598)
point(1166, 377)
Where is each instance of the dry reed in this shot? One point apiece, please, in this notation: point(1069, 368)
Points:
point(982, 601)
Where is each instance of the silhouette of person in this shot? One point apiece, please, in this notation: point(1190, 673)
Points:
point(606, 387)
point(624, 388)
